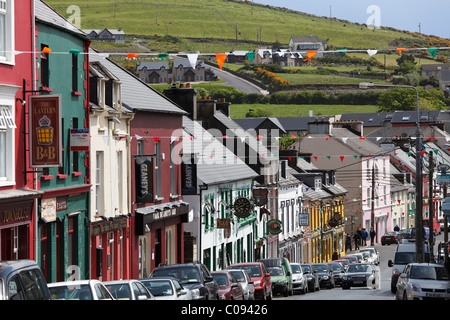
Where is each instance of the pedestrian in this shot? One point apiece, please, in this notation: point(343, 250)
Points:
point(372, 236)
point(396, 228)
point(356, 238)
point(364, 236)
point(348, 242)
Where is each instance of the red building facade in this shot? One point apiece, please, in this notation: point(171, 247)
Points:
point(18, 189)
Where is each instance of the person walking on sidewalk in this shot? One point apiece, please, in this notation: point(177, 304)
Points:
point(357, 239)
point(348, 242)
point(365, 234)
point(372, 236)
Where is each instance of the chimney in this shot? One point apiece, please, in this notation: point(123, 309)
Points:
point(319, 126)
point(186, 98)
point(224, 106)
point(206, 108)
point(283, 165)
point(290, 155)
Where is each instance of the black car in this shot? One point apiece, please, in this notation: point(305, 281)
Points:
point(338, 271)
point(194, 276)
point(389, 238)
point(325, 275)
point(359, 275)
point(313, 278)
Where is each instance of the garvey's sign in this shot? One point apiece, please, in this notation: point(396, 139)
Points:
point(189, 177)
point(45, 130)
point(144, 179)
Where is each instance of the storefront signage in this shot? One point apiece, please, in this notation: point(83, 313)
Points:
point(274, 226)
point(45, 130)
point(223, 224)
point(110, 226)
point(79, 139)
point(189, 177)
point(48, 209)
point(144, 179)
point(15, 213)
point(303, 219)
point(260, 197)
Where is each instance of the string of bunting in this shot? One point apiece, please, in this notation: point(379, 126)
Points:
point(220, 57)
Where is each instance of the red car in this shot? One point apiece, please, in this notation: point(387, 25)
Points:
point(229, 287)
point(436, 225)
point(261, 278)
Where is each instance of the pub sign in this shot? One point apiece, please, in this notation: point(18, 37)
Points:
point(45, 131)
point(144, 179)
point(189, 176)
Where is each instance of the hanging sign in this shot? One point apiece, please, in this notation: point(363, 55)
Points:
point(45, 131)
point(274, 226)
point(303, 219)
point(144, 179)
point(260, 197)
point(79, 139)
point(189, 177)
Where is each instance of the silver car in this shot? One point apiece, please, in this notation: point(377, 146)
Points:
point(299, 279)
point(374, 255)
point(421, 281)
point(79, 290)
point(128, 290)
point(166, 289)
point(246, 283)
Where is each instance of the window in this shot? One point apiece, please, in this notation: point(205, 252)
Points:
point(7, 31)
point(158, 170)
point(173, 185)
point(7, 126)
point(45, 71)
point(99, 183)
point(74, 72)
point(120, 181)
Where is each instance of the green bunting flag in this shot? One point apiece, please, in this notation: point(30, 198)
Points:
point(251, 56)
point(433, 51)
point(162, 56)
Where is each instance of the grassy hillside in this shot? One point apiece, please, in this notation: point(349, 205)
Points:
point(217, 19)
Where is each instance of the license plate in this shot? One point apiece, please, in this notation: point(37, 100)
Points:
point(434, 295)
point(357, 282)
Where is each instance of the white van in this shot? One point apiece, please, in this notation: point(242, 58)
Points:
point(404, 253)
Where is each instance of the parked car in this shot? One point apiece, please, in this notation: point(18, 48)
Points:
point(194, 276)
point(360, 275)
point(325, 275)
point(128, 290)
point(299, 279)
point(389, 238)
point(22, 280)
point(351, 259)
point(280, 274)
point(312, 277)
point(404, 253)
point(338, 270)
point(246, 283)
point(166, 289)
point(344, 262)
point(442, 225)
point(421, 281)
point(359, 256)
point(260, 276)
point(229, 287)
point(79, 290)
point(374, 255)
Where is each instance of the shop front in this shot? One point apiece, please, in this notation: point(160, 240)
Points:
point(16, 224)
point(160, 235)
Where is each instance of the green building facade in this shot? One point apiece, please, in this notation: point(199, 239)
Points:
point(63, 210)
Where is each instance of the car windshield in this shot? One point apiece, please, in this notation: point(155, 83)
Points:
point(428, 273)
point(276, 271)
point(359, 268)
point(184, 275)
point(120, 291)
point(306, 268)
point(369, 250)
point(239, 275)
point(221, 279)
point(335, 266)
point(253, 271)
point(71, 292)
point(296, 269)
point(404, 257)
point(159, 288)
point(320, 267)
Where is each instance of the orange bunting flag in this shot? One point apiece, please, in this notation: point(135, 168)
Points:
point(46, 50)
point(221, 59)
point(400, 50)
point(132, 55)
point(310, 55)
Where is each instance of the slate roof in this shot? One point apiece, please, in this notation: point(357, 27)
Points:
point(47, 14)
point(253, 123)
point(136, 95)
point(374, 119)
point(297, 123)
point(223, 166)
point(426, 116)
point(153, 65)
point(363, 147)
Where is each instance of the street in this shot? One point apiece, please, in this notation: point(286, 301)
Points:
point(383, 292)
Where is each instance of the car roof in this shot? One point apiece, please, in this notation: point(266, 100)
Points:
point(71, 283)
point(6, 267)
point(246, 264)
point(119, 281)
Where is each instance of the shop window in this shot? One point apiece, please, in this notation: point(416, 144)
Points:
point(7, 126)
point(7, 31)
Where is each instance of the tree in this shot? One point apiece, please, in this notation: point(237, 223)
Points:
point(258, 113)
point(406, 64)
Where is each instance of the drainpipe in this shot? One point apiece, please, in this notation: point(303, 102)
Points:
point(33, 87)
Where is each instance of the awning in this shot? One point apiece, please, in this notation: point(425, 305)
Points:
point(160, 212)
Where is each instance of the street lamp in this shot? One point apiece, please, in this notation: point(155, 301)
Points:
point(419, 216)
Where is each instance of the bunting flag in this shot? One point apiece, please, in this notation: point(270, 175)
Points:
point(162, 56)
point(251, 56)
point(74, 51)
point(342, 158)
point(221, 59)
point(132, 55)
point(372, 52)
point(156, 139)
point(46, 50)
point(310, 55)
point(192, 57)
point(400, 50)
point(433, 51)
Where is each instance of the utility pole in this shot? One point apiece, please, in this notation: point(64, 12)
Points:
point(372, 214)
point(430, 201)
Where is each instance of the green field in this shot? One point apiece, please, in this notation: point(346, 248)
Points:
point(217, 19)
point(238, 111)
